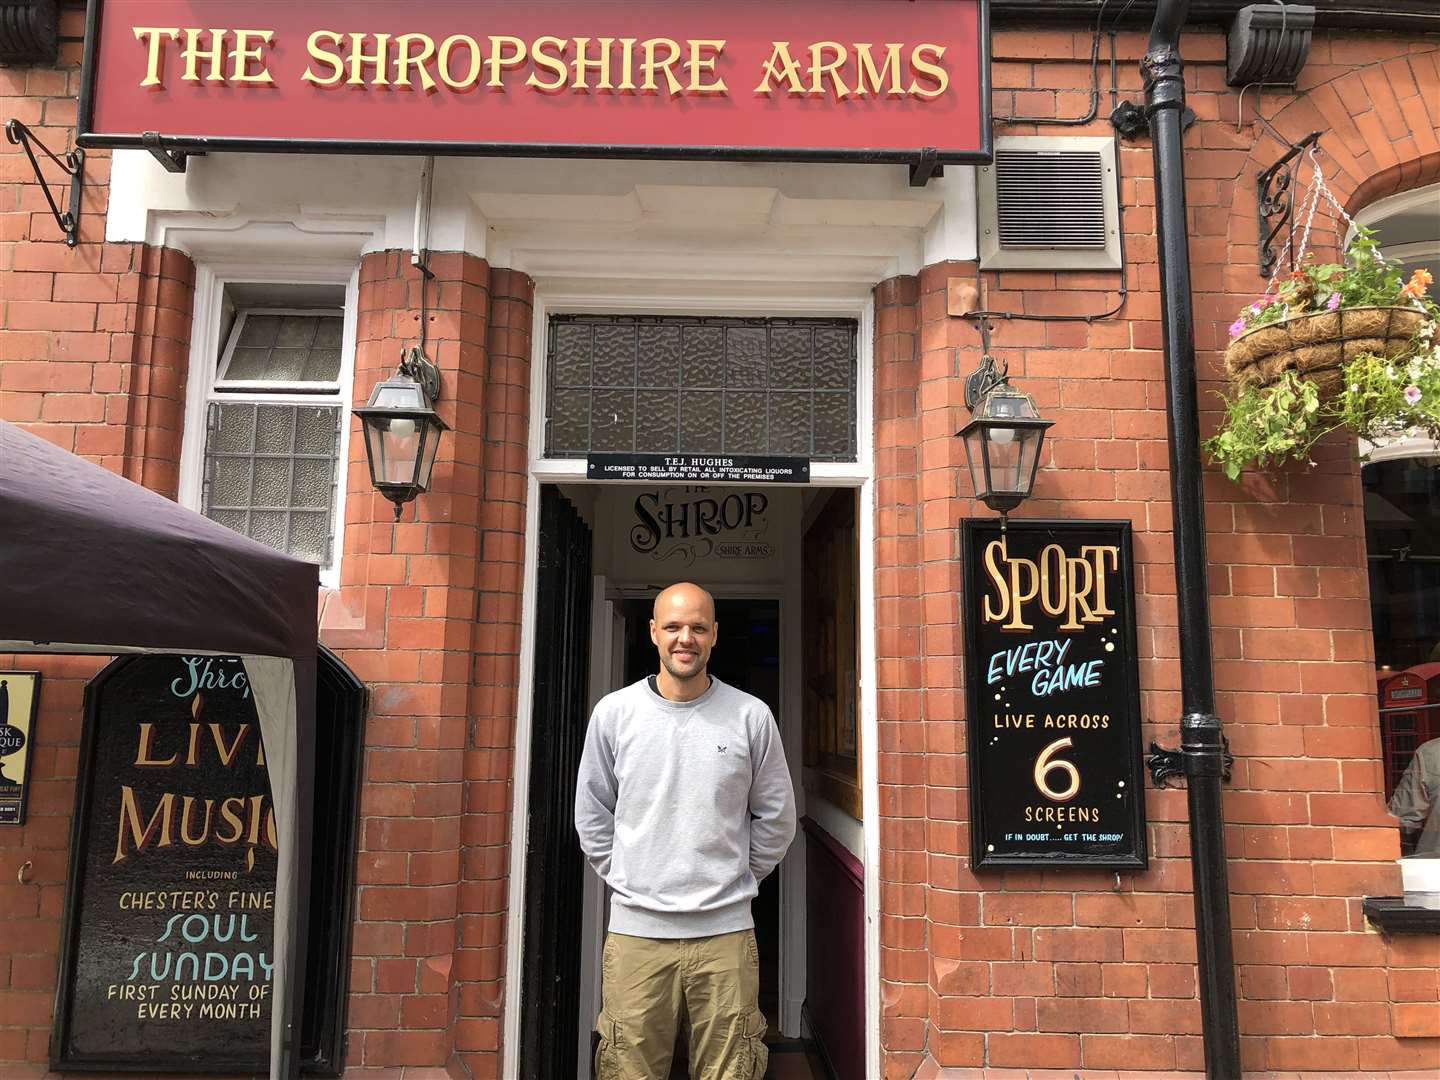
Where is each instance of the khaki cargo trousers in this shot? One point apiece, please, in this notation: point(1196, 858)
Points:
point(649, 983)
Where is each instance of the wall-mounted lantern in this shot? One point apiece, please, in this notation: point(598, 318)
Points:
point(1002, 439)
point(402, 429)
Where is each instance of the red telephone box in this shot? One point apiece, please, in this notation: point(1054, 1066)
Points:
point(1409, 716)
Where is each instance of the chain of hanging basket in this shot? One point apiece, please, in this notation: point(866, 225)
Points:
point(1317, 344)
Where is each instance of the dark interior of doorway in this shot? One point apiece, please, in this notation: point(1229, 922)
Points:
point(746, 656)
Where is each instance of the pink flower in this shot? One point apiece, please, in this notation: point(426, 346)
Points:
point(1333, 302)
point(1237, 328)
point(1412, 394)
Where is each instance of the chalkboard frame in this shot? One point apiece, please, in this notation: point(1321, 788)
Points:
point(341, 707)
point(1136, 857)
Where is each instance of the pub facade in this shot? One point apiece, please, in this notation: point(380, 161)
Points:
point(706, 292)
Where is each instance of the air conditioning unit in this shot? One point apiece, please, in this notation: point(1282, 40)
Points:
point(1050, 203)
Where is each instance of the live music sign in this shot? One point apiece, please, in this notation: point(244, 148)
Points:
point(817, 80)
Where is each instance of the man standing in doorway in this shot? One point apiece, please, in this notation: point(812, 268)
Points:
point(684, 804)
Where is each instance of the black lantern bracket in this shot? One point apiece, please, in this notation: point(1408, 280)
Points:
point(414, 363)
point(989, 374)
point(73, 163)
point(1275, 191)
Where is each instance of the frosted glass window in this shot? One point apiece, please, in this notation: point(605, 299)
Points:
point(664, 384)
point(272, 431)
point(270, 473)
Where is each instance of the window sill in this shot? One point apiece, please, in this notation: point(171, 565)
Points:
point(1393, 915)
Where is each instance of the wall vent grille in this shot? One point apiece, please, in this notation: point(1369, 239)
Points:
point(1050, 203)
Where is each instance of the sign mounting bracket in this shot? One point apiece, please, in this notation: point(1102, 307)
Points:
point(73, 163)
point(172, 161)
point(926, 166)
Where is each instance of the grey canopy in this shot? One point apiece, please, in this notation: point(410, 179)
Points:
point(92, 563)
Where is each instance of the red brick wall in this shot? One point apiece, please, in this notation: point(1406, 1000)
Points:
point(1012, 969)
point(1022, 969)
point(428, 617)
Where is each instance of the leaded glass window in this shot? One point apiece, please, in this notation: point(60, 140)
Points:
point(272, 433)
point(686, 384)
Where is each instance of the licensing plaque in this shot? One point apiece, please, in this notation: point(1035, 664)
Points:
point(166, 963)
point(19, 696)
point(699, 468)
point(1053, 695)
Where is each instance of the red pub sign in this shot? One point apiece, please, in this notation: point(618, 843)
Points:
point(818, 80)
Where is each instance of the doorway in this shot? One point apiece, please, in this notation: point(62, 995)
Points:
point(762, 595)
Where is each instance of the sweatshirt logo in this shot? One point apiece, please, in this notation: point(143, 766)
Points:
point(720, 748)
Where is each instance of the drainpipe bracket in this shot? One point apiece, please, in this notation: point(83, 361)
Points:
point(1205, 753)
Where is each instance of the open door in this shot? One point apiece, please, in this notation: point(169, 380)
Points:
point(834, 874)
point(554, 865)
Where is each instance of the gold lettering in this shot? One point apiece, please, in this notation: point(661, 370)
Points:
point(472, 74)
point(780, 67)
point(870, 79)
point(227, 753)
point(700, 64)
point(499, 61)
point(380, 59)
point(1053, 600)
point(650, 65)
point(337, 66)
point(130, 815)
point(404, 61)
point(143, 752)
point(231, 810)
point(248, 44)
point(1101, 554)
point(1020, 596)
point(627, 64)
point(185, 837)
point(552, 63)
point(584, 63)
point(821, 67)
point(193, 54)
point(934, 70)
point(994, 555)
point(154, 38)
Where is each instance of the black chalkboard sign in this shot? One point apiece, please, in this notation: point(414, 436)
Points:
point(1052, 687)
point(168, 960)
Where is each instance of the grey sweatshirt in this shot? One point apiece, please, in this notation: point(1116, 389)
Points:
point(682, 807)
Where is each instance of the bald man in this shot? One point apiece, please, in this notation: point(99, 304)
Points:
point(684, 804)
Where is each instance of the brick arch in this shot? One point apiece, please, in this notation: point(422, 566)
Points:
point(1392, 146)
point(1407, 176)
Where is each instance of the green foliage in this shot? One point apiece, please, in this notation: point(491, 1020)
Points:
point(1272, 424)
point(1365, 279)
point(1378, 399)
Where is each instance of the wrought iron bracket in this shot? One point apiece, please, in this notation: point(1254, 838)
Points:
point(73, 163)
point(172, 161)
point(927, 166)
point(1275, 191)
point(414, 363)
point(1165, 765)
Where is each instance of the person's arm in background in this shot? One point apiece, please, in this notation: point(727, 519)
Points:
point(772, 801)
point(595, 795)
point(1411, 801)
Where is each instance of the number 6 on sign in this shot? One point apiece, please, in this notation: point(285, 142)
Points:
point(1044, 766)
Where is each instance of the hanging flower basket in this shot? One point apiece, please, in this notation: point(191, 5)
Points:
point(1317, 345)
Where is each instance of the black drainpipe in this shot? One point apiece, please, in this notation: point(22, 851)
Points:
point(1202, 745)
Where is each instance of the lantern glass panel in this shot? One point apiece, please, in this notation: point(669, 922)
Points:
point(431, 437)
point(399, 449)
point(974, 440)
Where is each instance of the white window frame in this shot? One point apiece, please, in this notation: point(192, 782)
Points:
point(206, 363)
